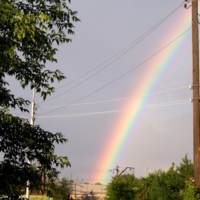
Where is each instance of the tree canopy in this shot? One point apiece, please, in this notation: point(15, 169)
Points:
point(30, 30)
point(122, 187)
point(175, 183)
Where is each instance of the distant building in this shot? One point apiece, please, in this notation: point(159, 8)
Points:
point(87, 191)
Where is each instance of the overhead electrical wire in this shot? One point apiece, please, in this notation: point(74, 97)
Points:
point(103, 170)
point(171, 103)
point(119, 76)
point(112, 100)
point(108, 112)
point(164, 104)
point(167, 104)
point(119, 54)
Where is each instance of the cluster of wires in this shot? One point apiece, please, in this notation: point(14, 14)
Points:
point(104, 65)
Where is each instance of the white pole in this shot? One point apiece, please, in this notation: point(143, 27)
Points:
point(32, 123)
point(33, 108)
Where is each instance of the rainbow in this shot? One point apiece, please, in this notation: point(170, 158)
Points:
point(127, 123)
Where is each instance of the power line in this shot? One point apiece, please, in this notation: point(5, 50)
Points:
point(102, 170)
point(168, 104)
point(139, 65)
point(112, 100)
point(118, 55)
point(171, 103)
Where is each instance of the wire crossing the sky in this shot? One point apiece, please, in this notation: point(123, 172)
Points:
point(112, 100)
point(164, 104)
point(115, 57)
point(139, 65)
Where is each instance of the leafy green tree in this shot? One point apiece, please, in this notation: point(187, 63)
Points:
point(61, 189)
point(188, 193)
point(186, 169)
point(123, 187)
point(161, 185)
point(20, 142)
point(175, 183)
point(172, 184)
point(152, 187)
point(29, 33)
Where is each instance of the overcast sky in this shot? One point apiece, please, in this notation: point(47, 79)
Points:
point(164, 131)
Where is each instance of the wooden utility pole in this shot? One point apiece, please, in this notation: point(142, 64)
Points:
point(196, 111)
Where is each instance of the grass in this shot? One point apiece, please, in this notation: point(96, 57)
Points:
point(39, 197)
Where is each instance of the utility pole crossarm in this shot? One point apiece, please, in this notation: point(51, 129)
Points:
point(126, 169)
